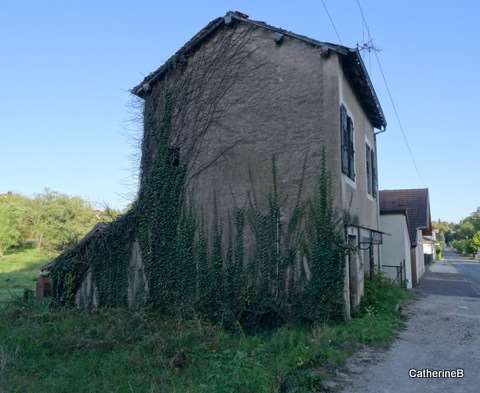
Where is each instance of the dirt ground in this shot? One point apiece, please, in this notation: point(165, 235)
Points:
point(443, 332)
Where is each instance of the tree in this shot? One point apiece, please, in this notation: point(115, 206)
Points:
point(14, 220)
point(444, 229)
point(60, 220)
point(9, 232)
point(476, 241)
point(50, 220)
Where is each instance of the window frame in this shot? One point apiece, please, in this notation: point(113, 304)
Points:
point(371, 169)
point(368, 168)
point(374, 173)
point(173, 156)
point(347, 143)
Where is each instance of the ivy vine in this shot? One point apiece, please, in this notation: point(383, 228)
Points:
point(293, 271)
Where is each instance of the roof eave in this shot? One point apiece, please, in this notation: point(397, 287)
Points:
point(143, 88)
point(369, 97)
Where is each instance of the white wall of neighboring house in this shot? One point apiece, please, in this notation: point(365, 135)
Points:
point(420, 262)
point(396, 245)
point(428, 246)
point(429, 249)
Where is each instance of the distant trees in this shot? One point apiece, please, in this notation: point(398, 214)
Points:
point(465, 236)
point(49, 220)
point(10, 225)
point(443, 229)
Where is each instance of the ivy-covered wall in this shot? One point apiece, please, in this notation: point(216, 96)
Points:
point(236, 216)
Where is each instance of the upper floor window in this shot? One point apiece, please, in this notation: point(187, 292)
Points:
point(374, 174)
point(348, 146)
point(371, 170)
point(173, 156)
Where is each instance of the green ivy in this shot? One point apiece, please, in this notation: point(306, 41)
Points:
point(192, 268)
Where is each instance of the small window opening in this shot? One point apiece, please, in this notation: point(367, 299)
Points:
point(173, 156)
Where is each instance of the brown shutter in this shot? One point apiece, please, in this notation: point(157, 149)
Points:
point(351, 150)
point(344, 139)
point(368, 161)
point(374, 174)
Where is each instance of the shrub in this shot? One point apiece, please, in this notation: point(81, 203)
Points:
point(381, 294)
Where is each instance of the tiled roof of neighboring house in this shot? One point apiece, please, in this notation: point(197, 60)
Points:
point(351, 59)
point(416, 205)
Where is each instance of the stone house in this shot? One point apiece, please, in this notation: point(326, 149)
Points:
point(250, 92)
point(303, 95)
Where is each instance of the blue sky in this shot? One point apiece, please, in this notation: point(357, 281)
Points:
point(66, 67)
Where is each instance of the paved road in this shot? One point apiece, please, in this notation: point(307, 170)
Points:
point(456, 276)
point(443, 332)
point(469, 269)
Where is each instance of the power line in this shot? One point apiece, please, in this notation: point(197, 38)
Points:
point(400, 125)
point(331, 21)
point(390, 96)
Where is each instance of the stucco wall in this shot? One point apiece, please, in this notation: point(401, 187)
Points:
point(362, 207)
point(87, 295)
point(420, 255)
point(356, 199)
point(428, 246)
point(288, 108)
point(288, 114)
point(396, 245)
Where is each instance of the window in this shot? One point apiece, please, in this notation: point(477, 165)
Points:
point(173, 156)
point(368, 161)
point(348, 150)
point(374, 174)
point(371, 171)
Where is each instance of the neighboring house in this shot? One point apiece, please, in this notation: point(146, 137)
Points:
point(414, 205)
point(396, 248)
point(429, 247)
point(290, 97)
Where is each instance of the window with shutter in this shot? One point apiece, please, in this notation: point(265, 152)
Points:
point(351, 150)
point(173, 156)
point(374, 174)
point(368, 161)
point(347, 143)
point(344, 139)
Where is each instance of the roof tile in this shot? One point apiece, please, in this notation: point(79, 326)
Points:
point(414, 202)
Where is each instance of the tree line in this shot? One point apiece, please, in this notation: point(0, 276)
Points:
point(49, 220)
point(464, 236)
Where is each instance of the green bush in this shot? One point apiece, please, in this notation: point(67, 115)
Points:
point(15, 212)
point(465, 246)
point(52, 221)
point(381, 295)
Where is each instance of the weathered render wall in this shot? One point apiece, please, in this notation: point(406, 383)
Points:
point(355, 197)
point(287, 108)
point(240, 100)
point(419, 255)
point(362, 208)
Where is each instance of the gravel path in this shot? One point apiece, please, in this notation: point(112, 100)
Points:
point(443, 332)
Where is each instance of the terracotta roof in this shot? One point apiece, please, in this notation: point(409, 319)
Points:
point(416, 205)
point(351, 60)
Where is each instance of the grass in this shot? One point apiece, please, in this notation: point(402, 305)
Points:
point(19, 271)
point(113, 350)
